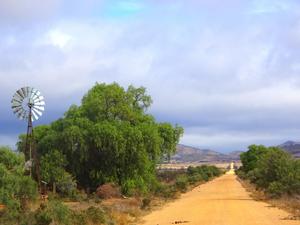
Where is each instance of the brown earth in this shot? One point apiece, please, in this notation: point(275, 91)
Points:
point(222, 201)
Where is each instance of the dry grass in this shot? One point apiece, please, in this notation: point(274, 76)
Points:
point(290, 204)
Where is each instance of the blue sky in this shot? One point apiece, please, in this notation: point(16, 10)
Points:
point(227, 71)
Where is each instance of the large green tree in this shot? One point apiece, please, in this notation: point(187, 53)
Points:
point(110, 137)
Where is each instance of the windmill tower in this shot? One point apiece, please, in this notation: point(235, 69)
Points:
point(28, 104)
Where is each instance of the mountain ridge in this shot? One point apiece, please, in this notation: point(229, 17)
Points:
point(293, 147)
point(190, 154)
point(185, 154)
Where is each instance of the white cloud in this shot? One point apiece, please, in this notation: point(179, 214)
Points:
point(58, 38)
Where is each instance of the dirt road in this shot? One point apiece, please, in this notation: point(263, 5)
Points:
point(222, 201)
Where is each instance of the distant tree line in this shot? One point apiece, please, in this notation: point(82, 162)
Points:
point(272, 169)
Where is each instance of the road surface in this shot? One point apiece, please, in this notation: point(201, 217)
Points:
point(222, 201)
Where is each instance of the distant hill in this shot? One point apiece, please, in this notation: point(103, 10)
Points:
point(291, 147)
point(235, 155)
point(187, 154)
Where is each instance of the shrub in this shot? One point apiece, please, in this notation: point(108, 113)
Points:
point(95, 215)
point(275, 189)
point(271, 169)
point(128, 187)
point(53, 212)
point(43, 217)
point(195, 178)
point(67, 186)
point(181, 183)
point(16, 188)
point(166, 191)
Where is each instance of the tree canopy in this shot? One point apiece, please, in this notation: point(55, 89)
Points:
point(110, 137)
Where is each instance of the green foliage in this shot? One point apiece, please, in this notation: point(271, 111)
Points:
point(182, 183)
point(53, 212)
point(250, 158)
point(95, 215)
point(52, 166)
point(53, 172)
point(271, 169)
point(165, 191)
point(108, 138)
point(15, 188)
point(180, 180)
point(67, 186)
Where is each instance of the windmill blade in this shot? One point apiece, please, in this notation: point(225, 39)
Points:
point(38, 98)
point(18, 96)
point(37, 113)
point(40, 108)
point(17, 110)
point(20, 114)
point(23, 90)
point(36, 95)
point(16, 101)
point(34, 116)
point(34, 92)
point(20, 93)
point(15, 104)
point(40, 103)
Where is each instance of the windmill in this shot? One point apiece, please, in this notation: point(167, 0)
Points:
point(28, 104)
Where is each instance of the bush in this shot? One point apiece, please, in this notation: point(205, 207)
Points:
point(95, 215)
point(182, 183)
point(16, 188)
point(53, 212)
point(92, 215)
point(166, 191)
point(43, 217)
point(275, 189)
point(67, 186)
point(271, 169)
point(193, 179)
point(128, 187)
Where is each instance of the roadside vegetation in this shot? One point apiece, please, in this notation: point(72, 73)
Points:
point(275, 173)
point(19, 195)
point(173, 182)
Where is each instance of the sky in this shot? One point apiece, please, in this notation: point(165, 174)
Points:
point(228, 71)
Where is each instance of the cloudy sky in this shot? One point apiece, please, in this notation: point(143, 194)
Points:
point(227, 71)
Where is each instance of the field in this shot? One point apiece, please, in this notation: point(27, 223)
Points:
point(177, 166)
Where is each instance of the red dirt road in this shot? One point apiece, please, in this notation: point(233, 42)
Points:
point(222, 201)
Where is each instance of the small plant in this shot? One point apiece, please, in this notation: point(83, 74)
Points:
point(181, 183)
point(146, 203)
point(95, 215)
